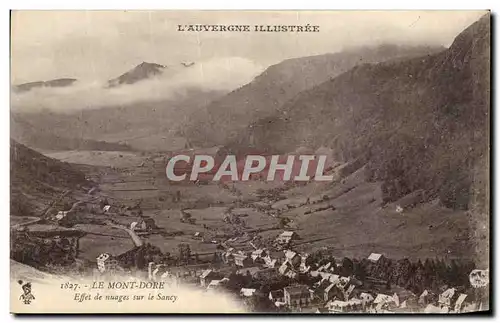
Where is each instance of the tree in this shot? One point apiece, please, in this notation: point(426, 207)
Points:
point(359, 270)
point(283, 222)
point(401, 272)
point(416, 282)
point(184, 252)
point(347, 267)
point(259, 304)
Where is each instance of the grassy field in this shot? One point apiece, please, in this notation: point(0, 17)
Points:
point(356, 225)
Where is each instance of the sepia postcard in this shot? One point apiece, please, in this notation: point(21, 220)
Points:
point(314, 162)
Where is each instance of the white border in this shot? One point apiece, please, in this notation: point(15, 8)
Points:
point(189, 4)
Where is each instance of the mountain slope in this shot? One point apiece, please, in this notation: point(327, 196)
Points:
point(226, 117)
point(143, 125)
point(35, 180)
point(52, 83)
point(130, 119)
point(418, 124)
point(140, 72)
point(24, 130)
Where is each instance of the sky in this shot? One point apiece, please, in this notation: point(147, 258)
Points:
point(100, 45)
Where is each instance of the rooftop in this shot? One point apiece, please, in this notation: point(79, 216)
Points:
point(297, 290)
point(247, 291)
point(276, 293)
point(240, 256)
point(289, 254)
point(383, 298)
point(374, 256)
point(329, 287)
point(206, 273)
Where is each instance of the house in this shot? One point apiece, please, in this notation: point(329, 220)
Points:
point(259, 253)
point(329, 292)
point(277, 296)
point(460, 302)
point(325, 267)
point(479, 278)
point(242, 260)
point(151, 268)
point(314, 273)
point(284, 268)
point(304, 259)
point(106, 262)
point(375, 257)
point(286, 237)
point(144, 224)
point(207, 276)
point(227, 256)
point(343, 282)
point(159, 272)
point(293, 258)
point(319, 286)
point(423, 298)
point(273, 259)
point(269, 262)
point(190, 271)
point(323, 275)
point(405, 299)
point(338, 306)
point(383, 300)
point(445, 298)
point(334, 279)
point(253, 271)
point(304, 269)
point(61, 215)
point(298, 295)
point(277, 256)
point(349, 291)
point(366, 298)
point(291, 274)
point(247, 292)
point(214, 284)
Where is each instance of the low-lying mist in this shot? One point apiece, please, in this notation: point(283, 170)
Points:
point(219, 74)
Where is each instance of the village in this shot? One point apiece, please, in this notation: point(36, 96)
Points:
point(282, 280)
point(255, 249)
point(274, 278)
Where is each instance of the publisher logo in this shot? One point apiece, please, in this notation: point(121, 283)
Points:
point(26, 297)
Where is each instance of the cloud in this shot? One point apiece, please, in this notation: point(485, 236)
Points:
point(102, 44)
point(220, 74)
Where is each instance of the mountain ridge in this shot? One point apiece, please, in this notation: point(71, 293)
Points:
point(279, 83)
point(418, 123)
point(141, 72)
point(60, 82)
